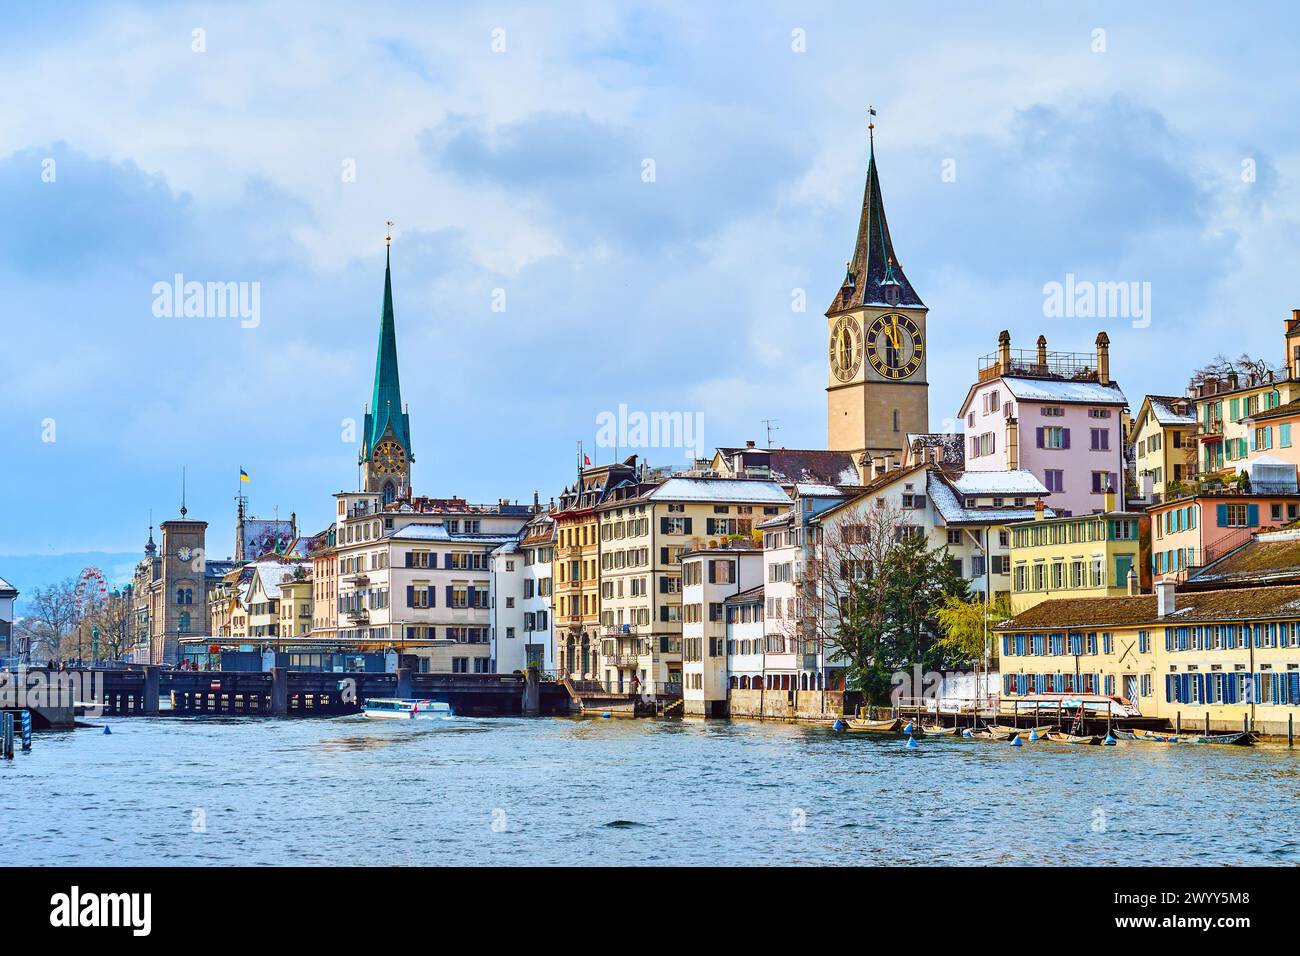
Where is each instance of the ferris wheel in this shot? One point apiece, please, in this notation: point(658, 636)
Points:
point(91, 587)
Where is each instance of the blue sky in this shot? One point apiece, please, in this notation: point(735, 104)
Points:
point(521, 170)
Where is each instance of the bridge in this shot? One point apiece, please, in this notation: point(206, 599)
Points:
point(280, 692)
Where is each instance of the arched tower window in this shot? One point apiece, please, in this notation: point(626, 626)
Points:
point(390, 493)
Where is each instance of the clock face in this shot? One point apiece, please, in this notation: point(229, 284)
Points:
point(846, 348)
point(184, 553)
point(388, 458)
point(895, 346)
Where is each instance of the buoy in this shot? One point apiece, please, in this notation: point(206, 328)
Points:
point(966, 732)
point(108, 729)
point(1016, 741)
point(606, 714)
point(1033, 735)
point(907, 728)
point(1109, 741)
point(911, 742)
point(838, 726)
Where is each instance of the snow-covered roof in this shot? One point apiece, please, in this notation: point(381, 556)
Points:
point(272, 574)
point(6, 586)
point(721, 489)
point(439, 532)
point(1162, 410)
point(1053, 390)
point(805, 489)
point(952, 508)
point(1015, 483)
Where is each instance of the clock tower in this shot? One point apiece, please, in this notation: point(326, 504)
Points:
point(877, 390)
point(386, 445)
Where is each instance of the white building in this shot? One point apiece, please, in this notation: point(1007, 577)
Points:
point(8, 595)
point(537, 545)
point(710, 576)
point(415, 577)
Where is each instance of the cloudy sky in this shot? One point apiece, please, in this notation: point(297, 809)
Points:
point(509, 143)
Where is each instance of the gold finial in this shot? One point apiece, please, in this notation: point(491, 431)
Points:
point(388, 239)
point(871, 126)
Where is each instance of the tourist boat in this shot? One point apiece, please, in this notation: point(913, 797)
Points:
point(1241, 738)
point(1061, 737)
point(396, 708)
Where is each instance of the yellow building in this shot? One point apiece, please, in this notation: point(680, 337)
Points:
point(1230, 656)
point(1164, 445)
point(644, 529)
point(296, 607)
point(1077, 556)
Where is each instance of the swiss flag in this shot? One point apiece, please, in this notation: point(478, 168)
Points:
point(586, 460)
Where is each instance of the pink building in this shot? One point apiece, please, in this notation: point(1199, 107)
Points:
point(1188, 533)
point(1057, 415)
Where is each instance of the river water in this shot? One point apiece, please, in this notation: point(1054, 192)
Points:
point(344, 791)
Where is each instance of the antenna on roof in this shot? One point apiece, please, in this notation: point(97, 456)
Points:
point(772, 426)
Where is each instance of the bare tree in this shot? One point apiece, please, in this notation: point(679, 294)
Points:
point(1220, 367)
point(54, 609)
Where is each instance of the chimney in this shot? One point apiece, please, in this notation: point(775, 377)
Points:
point(1165, 602)
point(1132, 583)
point(749, 444)
point(1039, 514)
point(1004, 353)
point(1042, 355)
point(1108, 500)
point(878, 465)
point(1103, 358)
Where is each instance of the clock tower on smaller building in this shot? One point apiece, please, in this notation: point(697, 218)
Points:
point(877, 390)
point(386, 455)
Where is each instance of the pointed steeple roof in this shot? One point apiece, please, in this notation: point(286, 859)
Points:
point(386, 402)
point(874, 267)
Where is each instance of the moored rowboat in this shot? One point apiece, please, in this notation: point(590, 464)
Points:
point(1060, 737)
point(1241, 739)
point(858, 725)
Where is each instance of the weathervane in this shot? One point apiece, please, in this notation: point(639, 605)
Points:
point(871, 126)
point(388, 239)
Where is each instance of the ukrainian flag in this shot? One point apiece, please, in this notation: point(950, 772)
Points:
point(243, 475)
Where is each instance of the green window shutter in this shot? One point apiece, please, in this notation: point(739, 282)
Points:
point(1234, 407)
point(1252, 515)
point(1221, 514)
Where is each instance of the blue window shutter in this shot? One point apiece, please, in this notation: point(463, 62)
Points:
point(410, 558)
point(433, 596)
point(1170, 694)
point(410, 595)
point(1252, 515)
point(449, 602)
point(1065, 438)
point(1221, 514)
point(1038, 432)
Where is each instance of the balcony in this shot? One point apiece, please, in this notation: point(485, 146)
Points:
point(614, 630)
point(1211, 430)
point(619, 660)
point(1062, 366)
point(358, 616)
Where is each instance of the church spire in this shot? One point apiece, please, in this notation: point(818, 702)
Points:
point(874, 275)
point(386, 410)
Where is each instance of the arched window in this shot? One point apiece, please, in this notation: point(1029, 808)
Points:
point(185, 622)
point(390, 493)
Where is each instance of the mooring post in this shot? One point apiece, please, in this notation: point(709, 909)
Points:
point(151, 690)
point(280, 691)
point(7, 735)
point(532, 692)
point(26, 728)
point(1178, 722)
point(1290, 730)
point(1245, 723)
point(1207, 723)
point(403, 682)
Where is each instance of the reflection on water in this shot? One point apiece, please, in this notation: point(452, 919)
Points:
point(563, 791)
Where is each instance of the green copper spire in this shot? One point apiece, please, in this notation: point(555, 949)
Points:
point(874, 264)
point(386, 403)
